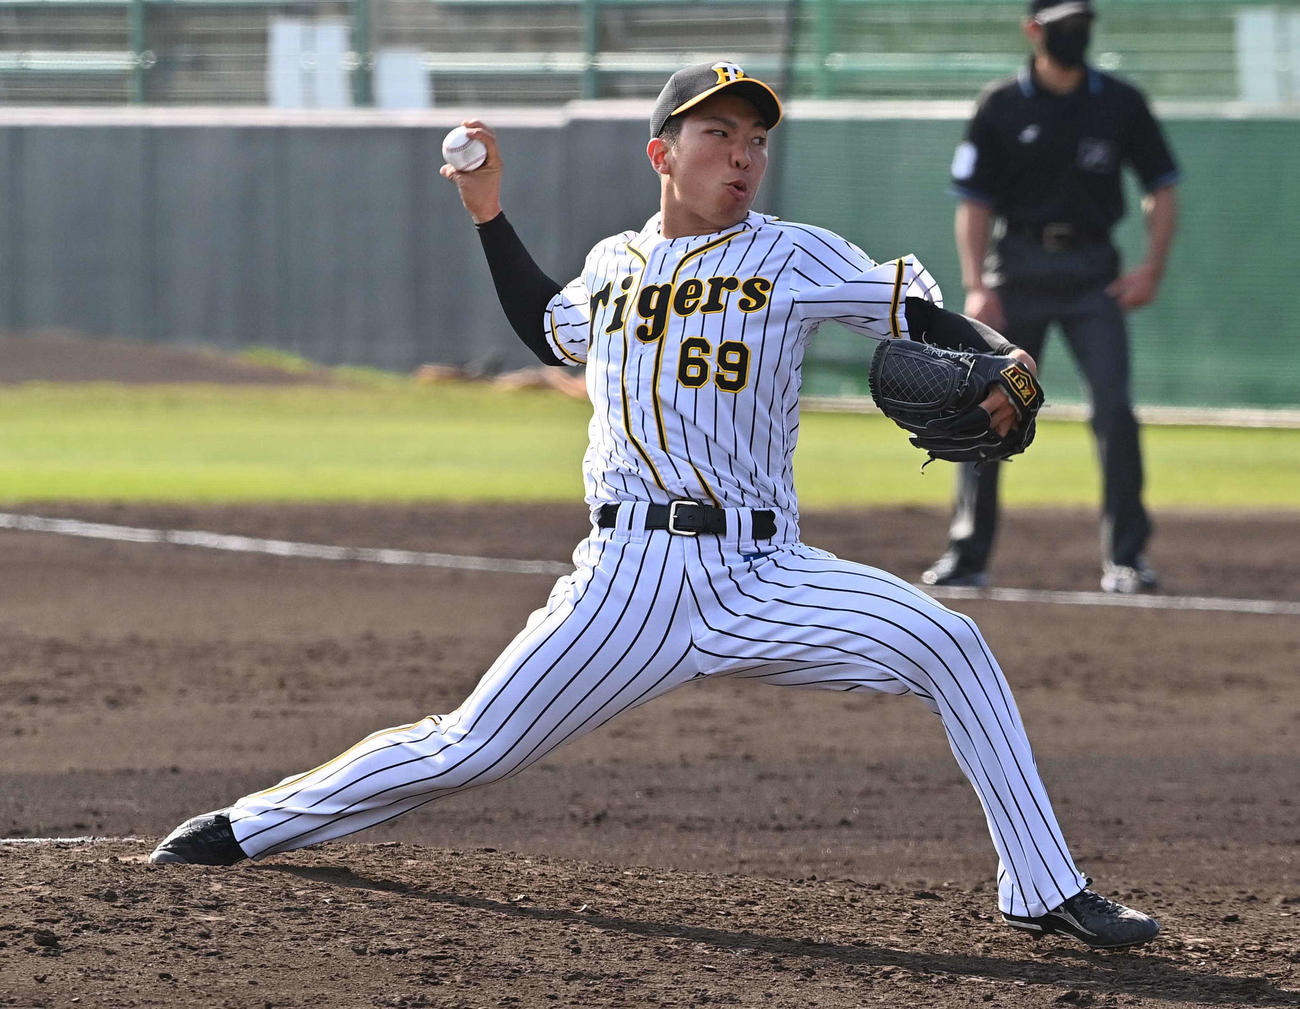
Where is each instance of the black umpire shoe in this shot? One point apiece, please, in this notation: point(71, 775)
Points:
point(201, 840)
point(1093, 920)
point(952, 571)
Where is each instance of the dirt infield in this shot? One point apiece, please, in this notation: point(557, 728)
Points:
point(727, 844)
point(58, 356)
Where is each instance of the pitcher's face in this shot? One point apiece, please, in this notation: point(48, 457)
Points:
point(713, 170)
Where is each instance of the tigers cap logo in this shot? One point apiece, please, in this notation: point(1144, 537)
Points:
point(727, 72)
point(691, 85)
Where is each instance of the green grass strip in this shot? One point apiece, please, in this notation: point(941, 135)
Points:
point(396, 441)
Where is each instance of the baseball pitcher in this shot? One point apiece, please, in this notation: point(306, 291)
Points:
point(693, 330)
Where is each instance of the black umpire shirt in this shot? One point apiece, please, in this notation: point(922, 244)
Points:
point(1038, 158)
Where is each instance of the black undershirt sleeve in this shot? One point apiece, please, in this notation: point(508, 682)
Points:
point(952, 331)
point(522, 288)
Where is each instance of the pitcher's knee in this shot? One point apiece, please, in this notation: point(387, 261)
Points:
point(959, 628)
point(961, 646)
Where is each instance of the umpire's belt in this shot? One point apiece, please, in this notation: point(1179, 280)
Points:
point(690, 518)
point(1059, 236)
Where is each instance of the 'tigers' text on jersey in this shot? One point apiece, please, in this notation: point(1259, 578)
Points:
point(655, 303)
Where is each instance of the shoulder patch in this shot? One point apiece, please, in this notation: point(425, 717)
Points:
point(963, 160)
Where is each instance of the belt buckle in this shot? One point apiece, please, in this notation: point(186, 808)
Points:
point(672, 517)
point(1058, 237)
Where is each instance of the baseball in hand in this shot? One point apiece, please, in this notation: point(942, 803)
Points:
point(462, 152)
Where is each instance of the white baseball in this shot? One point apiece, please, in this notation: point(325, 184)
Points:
point(463, 152)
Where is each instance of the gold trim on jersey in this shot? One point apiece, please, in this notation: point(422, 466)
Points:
point(659, 359)
point(622, 383)
point(669, 292)
point(893, 304)
point(704, 483)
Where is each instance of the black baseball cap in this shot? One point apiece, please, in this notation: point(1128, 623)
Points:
point(1047, 11)
point(691, 85)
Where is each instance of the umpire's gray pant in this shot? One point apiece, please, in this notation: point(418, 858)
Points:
point(1098, 337)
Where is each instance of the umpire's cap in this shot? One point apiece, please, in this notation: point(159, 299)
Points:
point(1047, 11)
point(691, 85)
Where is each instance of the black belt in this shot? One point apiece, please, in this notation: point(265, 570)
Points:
point(1059, 236)
point(690, 518)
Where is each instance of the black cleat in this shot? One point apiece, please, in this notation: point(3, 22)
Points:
point(950, 570)
point(1093, 920)
point(201, 840)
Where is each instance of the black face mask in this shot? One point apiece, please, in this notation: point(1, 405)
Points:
point(1066, 42)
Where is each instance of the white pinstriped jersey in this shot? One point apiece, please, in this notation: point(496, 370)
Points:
point(694, 349)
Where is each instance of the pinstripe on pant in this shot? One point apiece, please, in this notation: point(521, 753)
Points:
point(645, 612)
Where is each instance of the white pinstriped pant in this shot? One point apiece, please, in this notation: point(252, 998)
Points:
point(646, 612)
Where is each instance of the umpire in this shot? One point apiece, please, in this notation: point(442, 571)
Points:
point(1038, 176)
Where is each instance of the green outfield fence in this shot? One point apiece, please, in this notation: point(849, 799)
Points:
point(1225, 330)
point(301, 246)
